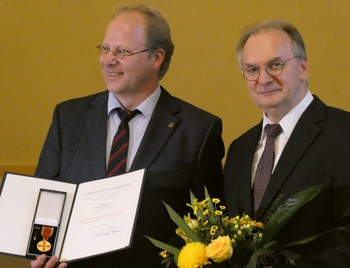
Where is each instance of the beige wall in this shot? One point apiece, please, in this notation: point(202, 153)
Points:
point(48, 54)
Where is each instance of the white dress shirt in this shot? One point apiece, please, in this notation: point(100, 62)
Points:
point(287, 123)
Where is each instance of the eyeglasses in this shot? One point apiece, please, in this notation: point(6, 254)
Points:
point(252, 73)
point(120, 53)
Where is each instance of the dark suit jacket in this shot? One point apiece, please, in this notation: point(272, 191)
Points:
point(178, 158)
point(318, 151)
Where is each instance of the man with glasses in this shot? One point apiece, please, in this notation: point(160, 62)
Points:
point(300, 142)
point(179, 145)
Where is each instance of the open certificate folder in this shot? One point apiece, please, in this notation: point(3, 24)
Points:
point(73, 221)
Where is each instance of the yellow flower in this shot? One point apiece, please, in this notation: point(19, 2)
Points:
point(258, 224)
point(243, 221)
point(220, 249)
point(230, 220)
point(193, 255)
point(183, 235)
point(187, 218)
point(164, 254)
point(222, 207)
point(193, 224)
point(218, 212)
point(205, 212)
point(198, 205)
point(213, 229)
point(216, 200)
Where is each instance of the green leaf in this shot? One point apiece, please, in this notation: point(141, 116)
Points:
point(193, 197)
point(255, 258)
point(173, 250)
point(310, 238)
point(206, 192)
point(285, 211)
point(182, 224)
point(210, 202)
point(253, 261)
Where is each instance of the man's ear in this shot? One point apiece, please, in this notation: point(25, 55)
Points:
point(158, 58)
point(304, 70)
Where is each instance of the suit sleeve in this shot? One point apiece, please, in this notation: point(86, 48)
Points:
point(208, 171)
point(338, 244)
point(333, 249)
point(230, 184)
point(50, 156)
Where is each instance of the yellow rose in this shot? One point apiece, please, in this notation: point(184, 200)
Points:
point(220, 249)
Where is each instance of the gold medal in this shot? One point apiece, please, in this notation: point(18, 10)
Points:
point(43, 246)
point(46, 233)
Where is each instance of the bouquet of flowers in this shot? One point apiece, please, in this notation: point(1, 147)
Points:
point(210, 238)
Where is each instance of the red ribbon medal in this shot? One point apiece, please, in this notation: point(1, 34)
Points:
point(46, 233)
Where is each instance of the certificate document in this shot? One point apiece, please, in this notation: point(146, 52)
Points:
point(98, 216)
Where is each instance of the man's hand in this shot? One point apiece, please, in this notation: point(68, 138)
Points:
point(40, 262)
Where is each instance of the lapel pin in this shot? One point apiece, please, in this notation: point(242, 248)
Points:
point(171, 124)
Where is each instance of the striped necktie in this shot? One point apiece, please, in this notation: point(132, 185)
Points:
point(120, 145)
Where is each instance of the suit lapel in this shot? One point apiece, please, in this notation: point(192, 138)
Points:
point(160, 128)
point(96, 133)
point(304, 133)
point(245, 185)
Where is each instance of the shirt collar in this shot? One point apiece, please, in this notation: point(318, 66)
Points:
point(146, 107)
point(289, 121)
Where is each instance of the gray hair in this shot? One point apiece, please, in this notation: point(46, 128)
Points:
point(298, 46)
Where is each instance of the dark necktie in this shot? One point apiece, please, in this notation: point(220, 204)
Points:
point(265, 165)
point(120, 145)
